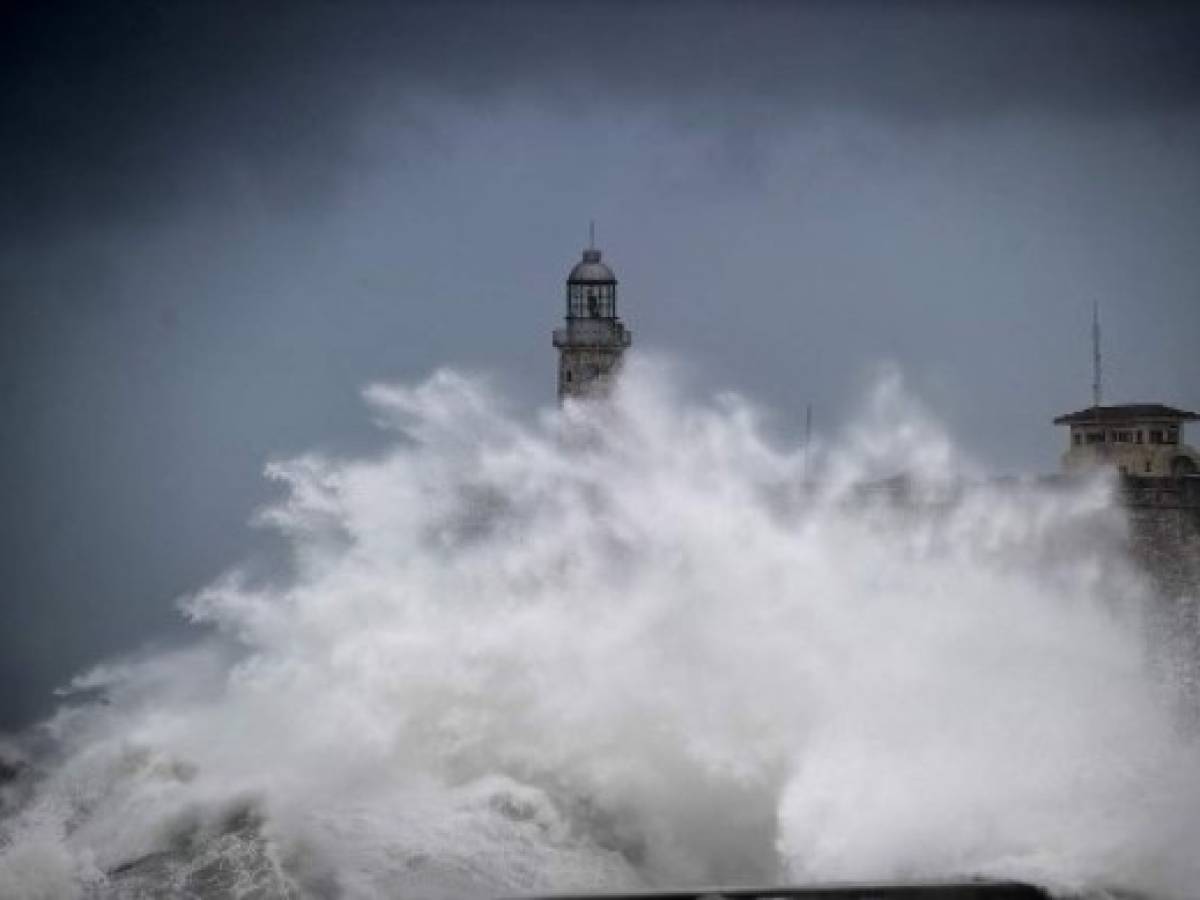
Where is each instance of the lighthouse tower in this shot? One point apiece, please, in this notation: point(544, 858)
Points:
point(591, 346)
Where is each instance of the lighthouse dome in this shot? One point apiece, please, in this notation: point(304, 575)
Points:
point(591, 270)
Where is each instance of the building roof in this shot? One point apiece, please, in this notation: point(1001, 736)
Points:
point(591, 270)
point(1127, 412)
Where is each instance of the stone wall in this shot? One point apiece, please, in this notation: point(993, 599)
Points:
point(1164, 519)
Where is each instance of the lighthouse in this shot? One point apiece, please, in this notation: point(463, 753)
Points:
point(593, 342)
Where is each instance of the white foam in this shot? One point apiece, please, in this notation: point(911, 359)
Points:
point(625, 646)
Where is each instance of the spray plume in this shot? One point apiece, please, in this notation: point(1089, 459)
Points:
point(629, 645)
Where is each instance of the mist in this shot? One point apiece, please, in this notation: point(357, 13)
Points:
point(629, 646)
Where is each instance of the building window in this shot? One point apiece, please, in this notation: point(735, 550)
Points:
point(1078, 438)
point(1095, 437)
point(1149, 467)
point(1173, 434)
point(1139, 436)
point(1156, 436)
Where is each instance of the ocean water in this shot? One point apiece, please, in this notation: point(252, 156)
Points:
point(629, 645)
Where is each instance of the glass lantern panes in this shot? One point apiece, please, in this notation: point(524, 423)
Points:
point(575, 305)
point(595, 301)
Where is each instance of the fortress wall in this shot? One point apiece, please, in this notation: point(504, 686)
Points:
point(1164, 519)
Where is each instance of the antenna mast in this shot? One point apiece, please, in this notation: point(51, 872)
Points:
point(1096, 382)
point(591, 234)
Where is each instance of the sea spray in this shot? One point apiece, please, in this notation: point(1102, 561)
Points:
point(629, 644)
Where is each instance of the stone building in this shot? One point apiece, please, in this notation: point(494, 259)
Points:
point(594, 340)
point(1142, 439)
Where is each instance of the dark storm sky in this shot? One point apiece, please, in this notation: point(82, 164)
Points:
point(218, 221)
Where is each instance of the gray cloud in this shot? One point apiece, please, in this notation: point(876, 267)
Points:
point(130, 110)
